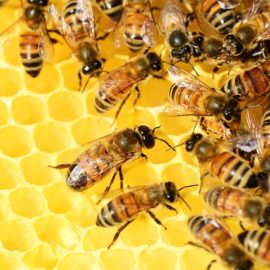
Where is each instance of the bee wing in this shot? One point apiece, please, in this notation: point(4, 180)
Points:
point(9, 33)
point(118, 32)
point(228, 4)
point(254, 9)
point(172, 16)
point(264, 36)
point(185, 79)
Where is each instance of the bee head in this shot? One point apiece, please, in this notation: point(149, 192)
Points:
point(233, 45)
point(155, 61)
point(191, 142)
point(215, 104)
point(182, 53)
point(264, 220)
point(177, 39)
point(232, 111)
point(213, 47)
point(170, 192)
point(146, 135)
point(205, 149)
point(43, 3)
point(33, 14)
point(91, 67)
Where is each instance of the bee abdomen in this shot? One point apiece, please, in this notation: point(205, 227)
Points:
point(232, 170)
point(103, 104)
point(112, 8)
point(30, 53)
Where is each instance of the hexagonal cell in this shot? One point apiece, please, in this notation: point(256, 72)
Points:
point(4, 208)
point(10, 261)
point(61, 198)
point(51, 137)
point(9, 86)
point(74, 261)
point(4, 114)
point(36, 169)
point(15, 141)
point(27, 202)
point(71, 80)
point(65, 106)
point(47, 81)
point(116, 259)
point(11, 231)
point(158, 259)
point(82, 130)
point(10, 175)
point(41, 256)
point(56, 231)
point(28, 110)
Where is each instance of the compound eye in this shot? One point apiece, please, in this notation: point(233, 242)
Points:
point(146, 136)
point(189, 145)
point(97, 64)
point(86, 69)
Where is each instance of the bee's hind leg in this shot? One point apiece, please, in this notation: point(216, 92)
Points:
point(118, 233)
point(61, 166)
point(151, 214)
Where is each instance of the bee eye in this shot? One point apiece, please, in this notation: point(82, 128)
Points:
point(97, 64)
point(146, 136)
point(189, 145)
point(86, 69)
point(170, 192)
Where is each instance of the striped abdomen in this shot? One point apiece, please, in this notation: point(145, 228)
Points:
point(125, 207)
point(90, 167)
point(226, 200)
point(257, 243)
point(112, 8)
point(232, 170)
point(187, 99)
point(265, 128)
point(247, 85)
point(133, 33)
point(78, 28)
point(30, 53)
point(222, 20)
point(210, 233)
point(115, 87)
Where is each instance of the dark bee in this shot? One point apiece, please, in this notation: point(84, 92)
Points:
point(256, 243)
point(108, 154)
point(218, 240)
point(239, 203)
point(136, 27)
point(112, 8)
point(126, 207)
point(116, 87)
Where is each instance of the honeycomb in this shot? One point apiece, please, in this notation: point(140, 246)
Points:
point(44, 121)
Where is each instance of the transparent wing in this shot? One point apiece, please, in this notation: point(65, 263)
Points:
point(172, 16)
point(228, 4)
point(254, 9)
point(264, 36)
point(118, 32)
point(9, 33)
point(149, 33)
point(185, 79)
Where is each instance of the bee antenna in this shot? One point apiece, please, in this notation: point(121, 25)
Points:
point(193, 69)
point(155, 128)
point(160, 53)
point(86, 83)
point(170, 147)
point(173, 147)
point(181, 198)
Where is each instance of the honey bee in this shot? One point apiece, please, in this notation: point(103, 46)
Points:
point(225, 165)
point(77, 25)
point(136, 27)
point(239, 203)
point(249, 84)
point(256, 243)
point(108, 154)
point(218, 240)
point(35, 44)
point(192, 97)
point(112, 8)
point(126, 207)
point(117, 84)
point(2, 2)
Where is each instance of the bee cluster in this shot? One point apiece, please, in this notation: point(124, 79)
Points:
point(232, 145)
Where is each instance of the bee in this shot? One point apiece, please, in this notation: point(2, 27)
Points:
point(239, 203)
point(249, 84)
point(192, 97)
point(225, 165)
point(256, 243)
point(107, 154)
point(218, 240)
point(35, 44)
point(126, 207)
point(2, 2)
point(117, 84)
point(77, 25)
point(136, 27)
point(111, 8)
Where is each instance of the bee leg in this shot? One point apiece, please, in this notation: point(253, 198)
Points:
point(138, 95)
point(118, 233)
point(242, 226)
point(107, 189)
point(216, 69)
point(80, 80)
point(151, 214)
point(170, 208)
point(121, 106)
point(144, 156)
point(61, 166)
point(103, 36)
point(201, 178)
point(210, 264)
point(197, 245)
point(121, 177)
